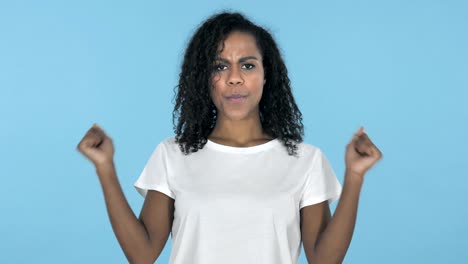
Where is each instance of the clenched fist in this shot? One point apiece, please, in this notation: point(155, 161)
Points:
point(361, 153)
point(97, 146)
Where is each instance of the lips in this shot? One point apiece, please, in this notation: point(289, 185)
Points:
point(236, 98)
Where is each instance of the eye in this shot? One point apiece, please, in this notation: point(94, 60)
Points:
point(248, 66)
point(220, 67)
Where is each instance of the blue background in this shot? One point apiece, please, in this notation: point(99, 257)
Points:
point(399, 68)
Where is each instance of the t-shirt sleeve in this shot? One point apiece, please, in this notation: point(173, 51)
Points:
point(154, 175)
point(321, 182)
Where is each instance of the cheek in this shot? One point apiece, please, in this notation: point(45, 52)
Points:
point(260, 78)
point(259, 83)
point(214, 89)
point(215, 78)
point(215, 83)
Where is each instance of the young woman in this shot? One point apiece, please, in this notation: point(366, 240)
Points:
point(236, 184)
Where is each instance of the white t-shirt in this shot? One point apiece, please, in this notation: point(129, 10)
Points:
point(238, 204)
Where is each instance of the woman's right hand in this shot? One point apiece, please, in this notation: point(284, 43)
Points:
point(97, 146)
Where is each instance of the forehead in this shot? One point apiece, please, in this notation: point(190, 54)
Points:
point(239, 43)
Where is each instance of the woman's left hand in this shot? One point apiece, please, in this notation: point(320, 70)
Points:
point(361, 154)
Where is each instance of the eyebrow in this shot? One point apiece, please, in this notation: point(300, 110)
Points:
point(243, 59)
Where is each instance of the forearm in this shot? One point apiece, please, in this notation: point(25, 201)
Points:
point(130, 232)
point(335, 239)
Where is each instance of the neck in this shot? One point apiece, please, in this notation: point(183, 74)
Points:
point(239, 133)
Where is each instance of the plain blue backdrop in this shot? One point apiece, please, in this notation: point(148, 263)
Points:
point(399, 68)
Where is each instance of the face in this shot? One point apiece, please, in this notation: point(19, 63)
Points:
point(238, 78)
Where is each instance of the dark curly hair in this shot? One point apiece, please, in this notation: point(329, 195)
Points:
point(196, 113)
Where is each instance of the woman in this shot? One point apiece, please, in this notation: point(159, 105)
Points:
point(236, 184)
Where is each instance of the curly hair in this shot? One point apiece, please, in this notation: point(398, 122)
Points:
point(194, 109)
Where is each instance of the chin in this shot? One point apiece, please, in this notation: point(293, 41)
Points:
point(236, 116)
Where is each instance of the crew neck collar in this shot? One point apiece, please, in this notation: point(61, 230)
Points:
point(252, 149)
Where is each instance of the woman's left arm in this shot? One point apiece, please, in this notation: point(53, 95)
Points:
point(326, 239)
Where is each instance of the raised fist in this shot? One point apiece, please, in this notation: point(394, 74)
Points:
point(97, 146)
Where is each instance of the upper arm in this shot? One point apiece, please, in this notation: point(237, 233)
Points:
point(156, 216)
point(314, 220)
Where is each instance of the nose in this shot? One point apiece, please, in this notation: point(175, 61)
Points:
point(235, 77)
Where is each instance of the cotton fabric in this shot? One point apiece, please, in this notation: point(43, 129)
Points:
point(238, 204)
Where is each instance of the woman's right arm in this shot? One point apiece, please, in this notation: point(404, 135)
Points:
point(143, 239)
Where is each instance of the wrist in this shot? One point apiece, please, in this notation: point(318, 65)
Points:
point(355, 177)
point(105, 167)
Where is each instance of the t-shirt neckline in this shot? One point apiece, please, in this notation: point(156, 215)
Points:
point(252, 149)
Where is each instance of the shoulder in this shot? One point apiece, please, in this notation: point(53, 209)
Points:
point(170, 147)
point(167, 144)
point(308, 150)
point(168, 141)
